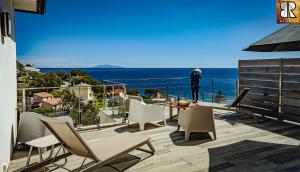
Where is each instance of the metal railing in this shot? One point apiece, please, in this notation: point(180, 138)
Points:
point(100, 104)
point(211, 89)
point(86, 104)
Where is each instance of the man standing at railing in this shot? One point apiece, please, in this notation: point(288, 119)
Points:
point(195, 77)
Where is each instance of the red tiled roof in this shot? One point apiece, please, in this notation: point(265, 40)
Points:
point(117, 91)
point(53, 102)
point(43, 94)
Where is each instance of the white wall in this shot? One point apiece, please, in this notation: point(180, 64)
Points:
point(8, 97)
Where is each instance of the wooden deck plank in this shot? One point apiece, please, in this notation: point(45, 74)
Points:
point(241, 144)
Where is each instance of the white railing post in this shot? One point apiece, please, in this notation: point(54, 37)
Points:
point(212, 90)
point(236, 88)
point(113, 99)
point(124, 89)
point(104, 96)
point(79, 111)
point(280, 113)
point(24, 100)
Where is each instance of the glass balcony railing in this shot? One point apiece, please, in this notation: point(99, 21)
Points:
point(211, 89)
point(97, 105)
point(86, 104)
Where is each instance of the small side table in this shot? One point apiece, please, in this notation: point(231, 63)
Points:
point(178, 107)
point(40, 144)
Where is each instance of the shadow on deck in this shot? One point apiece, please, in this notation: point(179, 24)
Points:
point(274, 126)
point(242, 144)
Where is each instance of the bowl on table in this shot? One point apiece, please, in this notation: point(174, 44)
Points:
point(183, 103)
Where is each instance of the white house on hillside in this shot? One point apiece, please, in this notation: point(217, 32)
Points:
point(31, 69)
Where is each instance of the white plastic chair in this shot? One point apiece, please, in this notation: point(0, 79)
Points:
point(197, 119)
point(31, 127)
point(142, 113)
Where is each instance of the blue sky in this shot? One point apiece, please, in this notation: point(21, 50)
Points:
point(145, 33)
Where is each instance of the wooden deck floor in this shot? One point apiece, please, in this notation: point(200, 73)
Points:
point(241, 145)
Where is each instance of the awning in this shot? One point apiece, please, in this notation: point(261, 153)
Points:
point(31, 6)
point(285, 39)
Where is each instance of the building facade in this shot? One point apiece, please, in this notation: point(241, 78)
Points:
point(83, 91)
point(8, 73)
point(8, 107)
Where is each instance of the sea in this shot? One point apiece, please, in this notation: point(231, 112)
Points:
point(172, 81)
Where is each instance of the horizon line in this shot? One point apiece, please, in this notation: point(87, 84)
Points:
point(135, 67)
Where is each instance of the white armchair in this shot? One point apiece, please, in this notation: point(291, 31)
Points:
point(142, 113)
point(128, 99)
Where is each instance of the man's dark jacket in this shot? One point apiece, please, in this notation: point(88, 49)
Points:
point(195, 76)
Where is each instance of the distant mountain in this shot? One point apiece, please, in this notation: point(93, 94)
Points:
point(107, 66)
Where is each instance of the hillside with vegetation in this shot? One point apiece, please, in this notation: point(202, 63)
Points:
point(28, 79)
point(58, 84)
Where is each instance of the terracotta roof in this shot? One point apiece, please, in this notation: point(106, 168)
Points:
point(117, 91)
point(43, 94)
point(53, 102)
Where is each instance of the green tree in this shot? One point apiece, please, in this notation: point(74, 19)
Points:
point(89, 115)
point(44, 111)
point(57, 93)
point(20, 69)
point(70, 105)
point(78, 73)
point(69, 100)
point(97, 104)
point(63, 75)
point(45, 80)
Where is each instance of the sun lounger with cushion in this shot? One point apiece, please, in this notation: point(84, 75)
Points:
point(234, 106)
point(103, 151)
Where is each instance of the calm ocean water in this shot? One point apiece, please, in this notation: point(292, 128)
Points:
point(175, 81)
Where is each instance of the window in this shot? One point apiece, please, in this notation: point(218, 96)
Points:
point(6, 24)
point(9, 25)
point(3, 29)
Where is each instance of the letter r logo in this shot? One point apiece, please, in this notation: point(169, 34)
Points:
point(287, 9)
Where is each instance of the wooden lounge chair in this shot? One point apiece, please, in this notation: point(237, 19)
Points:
point(103, 151)
point(234, 105)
